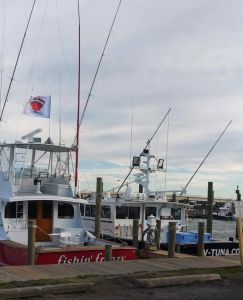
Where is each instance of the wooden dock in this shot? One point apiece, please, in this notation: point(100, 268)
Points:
point(37, 272)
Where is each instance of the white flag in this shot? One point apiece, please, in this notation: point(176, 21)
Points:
point(38, 106)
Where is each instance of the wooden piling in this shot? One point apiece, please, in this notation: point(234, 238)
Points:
point(210, 208)
point(237, 199)
point(31, 242)
point(99, 190)
point(200, 242)
point(238, 194)
point(173, 197)
point(108, 252)
point(135, 230)
point(171, 239)
point(158, 233)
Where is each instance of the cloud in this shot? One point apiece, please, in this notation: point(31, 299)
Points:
point(186, 55)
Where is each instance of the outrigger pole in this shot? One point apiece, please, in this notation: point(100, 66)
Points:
point(147, 145)
point(20, 49)
point(207, 155)
point(98, 67)
point(78, 109)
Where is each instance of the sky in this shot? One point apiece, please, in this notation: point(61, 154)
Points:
point(183, 55)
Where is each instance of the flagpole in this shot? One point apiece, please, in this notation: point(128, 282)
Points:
point(50, 127)
point(78, 109)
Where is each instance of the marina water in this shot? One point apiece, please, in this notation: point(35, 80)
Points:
point(221, 229)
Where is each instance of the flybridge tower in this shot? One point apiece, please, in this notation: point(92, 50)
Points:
point(143, 163)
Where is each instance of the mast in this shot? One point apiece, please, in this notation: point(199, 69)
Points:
point(78, 109)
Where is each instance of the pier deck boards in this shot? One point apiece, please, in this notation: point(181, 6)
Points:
point(26, 273)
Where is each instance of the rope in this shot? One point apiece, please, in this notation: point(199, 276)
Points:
point(36, 226)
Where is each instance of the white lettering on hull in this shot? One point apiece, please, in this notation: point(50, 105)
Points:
point(221, 252)
point(63, 259)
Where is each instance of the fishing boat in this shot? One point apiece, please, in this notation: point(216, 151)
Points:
point(147, 206)
point(119, 211)
point(35, 184)
point(224, 213)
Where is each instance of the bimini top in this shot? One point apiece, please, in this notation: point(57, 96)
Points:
point(38, 146)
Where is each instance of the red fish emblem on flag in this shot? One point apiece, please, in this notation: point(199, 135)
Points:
point(37, 103)
point(38, 106)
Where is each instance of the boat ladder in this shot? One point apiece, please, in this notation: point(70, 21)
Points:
point(19, 166)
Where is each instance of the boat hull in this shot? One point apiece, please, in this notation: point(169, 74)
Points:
point(212, 248)
point(223, 218)
point(15, 254)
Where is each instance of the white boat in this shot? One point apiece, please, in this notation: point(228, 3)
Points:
point(225, 213)
point(35, 185)
point(118, 212)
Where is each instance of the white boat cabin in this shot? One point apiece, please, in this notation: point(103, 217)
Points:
point(117, 217)
point(118, 213)
point(35, 185)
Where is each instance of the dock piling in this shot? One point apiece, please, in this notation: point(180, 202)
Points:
point(210, 208)
point(135, 229)
point(173, 197)
point(31, 242)
point(108, 252)
point(237, 199)
point(99, 191)
point(158, 233)
point(200, 242)
point(171, 239)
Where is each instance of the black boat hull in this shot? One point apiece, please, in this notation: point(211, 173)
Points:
point(212, 248)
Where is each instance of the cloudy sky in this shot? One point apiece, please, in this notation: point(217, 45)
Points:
point(184, 55)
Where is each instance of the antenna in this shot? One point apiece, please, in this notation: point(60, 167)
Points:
point(30, 135)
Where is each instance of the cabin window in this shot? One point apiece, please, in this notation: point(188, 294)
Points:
point(65, 211)
point(32, 209)
point(176, 213)
point(150, 211)
point(82, 207)
point(14, 210)
point(89, 211)
point(134, 212)
point(105, 212)
point(125, 212)
point(122, 212)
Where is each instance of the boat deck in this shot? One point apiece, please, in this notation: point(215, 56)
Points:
point(37, 272)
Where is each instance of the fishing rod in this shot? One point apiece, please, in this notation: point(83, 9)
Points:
point(16, 63)
point(98, 67)
point(207, 154)
point(147, 144)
